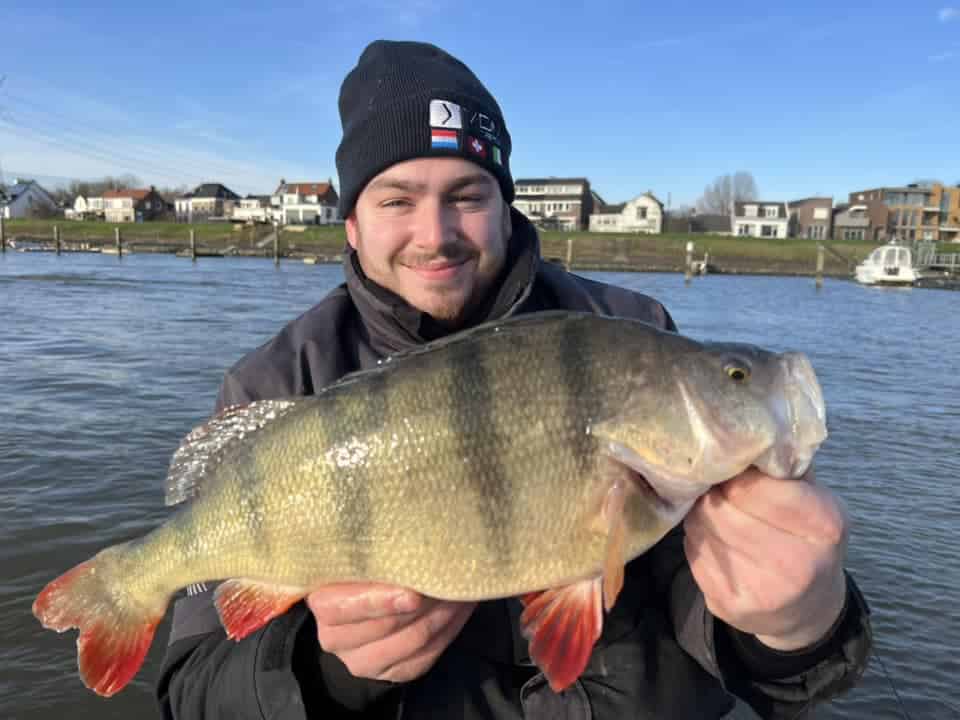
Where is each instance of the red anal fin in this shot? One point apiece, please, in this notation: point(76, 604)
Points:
point(562, 625)
point(245, 606)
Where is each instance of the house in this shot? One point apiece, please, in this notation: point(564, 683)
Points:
point(305, 203)
point(867, 220)
point(764, 219)
point(560, 203)
point(918, 211)
point(138, 205)
point(24, 199)
point(643, 214)
point(209, 201)
point(86, 208)
point(711, 223)
point(811, 218)
point(253, 208)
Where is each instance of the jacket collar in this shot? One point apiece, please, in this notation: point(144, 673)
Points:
point(394, 325)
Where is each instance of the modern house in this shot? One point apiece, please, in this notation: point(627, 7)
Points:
point(643, 214)
point(209, 201)
point(919, 211)
point(763, 219)
point(253, 208)
point(127, 206)
point(555, 203)
point(867, 220)
point(24, 199)
point(305, 203)
point(811, 218)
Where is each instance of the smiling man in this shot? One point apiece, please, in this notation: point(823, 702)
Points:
point(748, 598)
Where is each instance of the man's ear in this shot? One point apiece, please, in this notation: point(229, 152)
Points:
point(350, 224)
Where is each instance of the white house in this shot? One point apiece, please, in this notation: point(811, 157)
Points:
point(305, 203)
point(25, 198)
point(253, 208)
point(756, 218)
point(643, 214)
point(208, 201)
point(560, 203)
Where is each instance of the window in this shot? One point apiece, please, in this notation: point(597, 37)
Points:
point(743, 229)
point(641, 213)
point(771, 211)
point(768, 231)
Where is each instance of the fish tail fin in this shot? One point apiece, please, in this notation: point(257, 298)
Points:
point(115, 630)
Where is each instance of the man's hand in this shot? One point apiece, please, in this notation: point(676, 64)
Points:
point(768, 555)
point(383, 632)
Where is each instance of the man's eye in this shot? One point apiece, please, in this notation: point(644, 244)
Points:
point(396, 202)
point(468, 198)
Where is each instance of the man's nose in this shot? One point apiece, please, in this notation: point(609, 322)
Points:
point(435, 224)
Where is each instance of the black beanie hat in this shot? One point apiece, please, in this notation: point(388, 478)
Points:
point(408, 100)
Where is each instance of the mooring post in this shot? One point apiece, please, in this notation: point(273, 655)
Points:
point(706, 263)
point(819, 280)
point(193, 245)
point(56, 238)
point(688, 272)
point(3, 238)
point(276, 246)
point(569, 253)
point(118, 242)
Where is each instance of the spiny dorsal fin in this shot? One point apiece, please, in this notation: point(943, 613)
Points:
point(202, 449)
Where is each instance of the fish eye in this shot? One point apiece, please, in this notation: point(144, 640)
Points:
point(737, 372)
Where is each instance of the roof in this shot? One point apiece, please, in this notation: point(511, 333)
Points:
point(213, 190)
point(306, 188)
point(549, 181)
point(738, 208)
point(18, 188)
point(805, 201)
point(133, 194)
point(611, 209)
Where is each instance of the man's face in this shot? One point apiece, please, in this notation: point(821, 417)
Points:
point(435, 232)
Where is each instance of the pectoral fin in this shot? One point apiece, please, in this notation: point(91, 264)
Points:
point(562, 625)
point(245, 606)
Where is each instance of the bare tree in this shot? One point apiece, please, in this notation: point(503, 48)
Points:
point(718, 197)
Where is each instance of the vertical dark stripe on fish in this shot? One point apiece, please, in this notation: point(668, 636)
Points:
point(577, 382)
point(474, 416)
point(363, 418)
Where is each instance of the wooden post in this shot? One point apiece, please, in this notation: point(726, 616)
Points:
point(276, 246)
point(193, 245)
point(688, 272)
point(3, 238)
point(706, 262)
point(118, 242)
point(56, 238)
point(819, 280)
point(569, 253)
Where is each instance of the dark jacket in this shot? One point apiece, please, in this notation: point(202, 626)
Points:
point(661, 654)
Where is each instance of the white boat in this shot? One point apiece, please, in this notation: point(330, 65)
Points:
point(890, 264)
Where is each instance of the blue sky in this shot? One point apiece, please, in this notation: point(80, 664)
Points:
point(812, 98)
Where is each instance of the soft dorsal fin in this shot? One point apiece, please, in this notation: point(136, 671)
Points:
point(205, 445)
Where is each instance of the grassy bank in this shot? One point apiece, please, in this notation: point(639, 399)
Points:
point(601, 251)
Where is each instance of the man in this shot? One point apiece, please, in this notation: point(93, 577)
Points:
point(749, 597)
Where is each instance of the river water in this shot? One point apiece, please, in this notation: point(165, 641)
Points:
point(105, 364)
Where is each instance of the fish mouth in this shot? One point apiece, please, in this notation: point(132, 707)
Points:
point(800, 414)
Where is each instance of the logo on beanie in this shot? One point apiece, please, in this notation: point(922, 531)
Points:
point(476, 147)
point(445, 114)
point(443, 139)
point(495, 151)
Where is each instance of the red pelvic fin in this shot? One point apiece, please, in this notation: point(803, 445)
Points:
point(246, 606)
point(562, 625)
point(114, 638)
